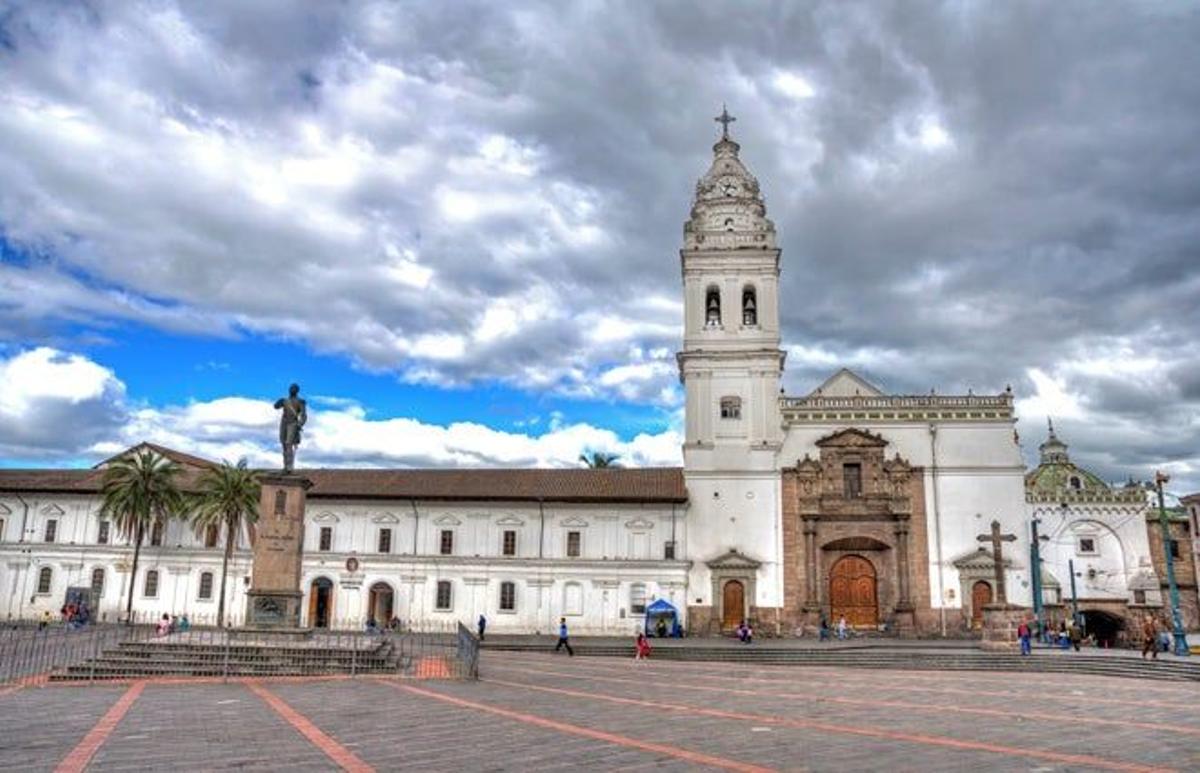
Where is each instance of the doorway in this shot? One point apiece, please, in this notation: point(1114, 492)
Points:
point(381, 603)
point(733, 604)
point(1104, 626)
point(981, 594)
point(852, 592)
point(320, 603)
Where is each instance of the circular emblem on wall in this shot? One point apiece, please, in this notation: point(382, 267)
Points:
point(351, 564)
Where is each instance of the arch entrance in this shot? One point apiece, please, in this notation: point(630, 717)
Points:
point(853, 592)
point(733, 604)
point(381, 603)
point(981, 594)
point(320, 603)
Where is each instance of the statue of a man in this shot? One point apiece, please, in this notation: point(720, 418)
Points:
point(295, 413)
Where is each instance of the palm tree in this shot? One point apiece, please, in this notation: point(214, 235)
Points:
point(228, 496)
point(598, 459)
point(136, 491)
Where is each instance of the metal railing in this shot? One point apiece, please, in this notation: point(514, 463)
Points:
point(33, 653)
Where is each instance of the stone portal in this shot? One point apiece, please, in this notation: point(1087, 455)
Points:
point(273, 600)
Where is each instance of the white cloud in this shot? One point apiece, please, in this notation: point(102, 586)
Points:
point(792, 85)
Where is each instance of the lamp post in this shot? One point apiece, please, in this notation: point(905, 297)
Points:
point(1181, 645)
point(1074, 597)
point(1035, 560)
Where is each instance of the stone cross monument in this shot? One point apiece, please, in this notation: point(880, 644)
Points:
point(997, 539)
point(1000, 619)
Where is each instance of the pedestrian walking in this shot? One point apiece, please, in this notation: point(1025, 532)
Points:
point(482, 626)
point(1075, 633)
point(1149, 637)
point(562, 637)
point(823, 631)
point(1023, 635)
point(642, 648)
point(842, 628)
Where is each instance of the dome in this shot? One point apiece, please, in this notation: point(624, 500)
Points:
point(728, 211)
point(1059, 479)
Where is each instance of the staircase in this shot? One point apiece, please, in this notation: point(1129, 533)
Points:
point(148, 659)
point(907, 658)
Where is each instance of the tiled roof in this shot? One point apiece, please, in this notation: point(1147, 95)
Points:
point(651, 484)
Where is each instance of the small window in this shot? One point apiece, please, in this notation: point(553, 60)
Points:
point(749, 308)
point(852, 480)
point(509, 546)
point(508, 597)
point(156, 533)
point(97, 584)
point(1087, 546)
point(211, 534)
point(45, 578)
point(206, 586)
point(669, 550)
point(712, 308)
point(102, 533)
point(385, 540)
point(1076, 483)
point(150, 589)
point(1139, 597)
point(444, 597)
point(574, 544)
point(637, 598)
point(1174, 547)
point(325, 542)
point(51, 530)
point(731, 407)
point(447, 543)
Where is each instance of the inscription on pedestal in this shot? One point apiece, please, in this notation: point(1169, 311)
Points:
point(274, 596)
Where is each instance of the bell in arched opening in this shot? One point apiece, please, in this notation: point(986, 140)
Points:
point(749, 308)
point(712, 305)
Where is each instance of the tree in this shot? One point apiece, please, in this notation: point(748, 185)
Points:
point(136, 491)
point(598, 459)
point(227, 496)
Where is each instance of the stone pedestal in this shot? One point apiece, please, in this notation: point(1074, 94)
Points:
point(274, 598)
point(1000, 623)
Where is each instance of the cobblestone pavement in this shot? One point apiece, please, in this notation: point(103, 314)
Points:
point(545, 712)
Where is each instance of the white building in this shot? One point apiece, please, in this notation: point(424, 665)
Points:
point(846, 501)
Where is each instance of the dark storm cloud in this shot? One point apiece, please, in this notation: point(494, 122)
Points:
point(967, 194)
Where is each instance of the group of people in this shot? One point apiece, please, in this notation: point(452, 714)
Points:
point(168, 624)
point(72, 615)
point(1155, 637)
point(373, 627)
point(843, 629)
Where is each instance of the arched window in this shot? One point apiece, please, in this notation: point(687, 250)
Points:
point(150, 587)
point(731, 407)
point(637, 598)
point(445, 598)
point(45, 577)
point(749, 307)
point(206, 586)
point(508, 597)
point(97, 584)
point(1076, 483)
point(156, 533)
point(712, 307)
point(211, 534)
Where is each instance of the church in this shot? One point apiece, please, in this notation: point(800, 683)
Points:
point(842, 502)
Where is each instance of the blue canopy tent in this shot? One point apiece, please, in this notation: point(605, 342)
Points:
point(662, 610)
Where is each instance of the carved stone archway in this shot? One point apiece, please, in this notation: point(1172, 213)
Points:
point(733, 566)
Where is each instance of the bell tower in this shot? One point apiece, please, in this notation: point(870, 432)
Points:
point(730, 366)
point(731, 362)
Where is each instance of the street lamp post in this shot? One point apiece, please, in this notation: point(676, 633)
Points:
point(1074, 597)
point(1035, 560)
point(1181, 645)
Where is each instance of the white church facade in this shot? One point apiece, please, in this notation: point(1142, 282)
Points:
point(842, 502)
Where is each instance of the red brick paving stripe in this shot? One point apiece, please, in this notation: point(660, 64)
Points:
point(332, 749)
point(587, 732)
point(82, 754)
point(806, 724)
point(1017, 714)
point(9, 690)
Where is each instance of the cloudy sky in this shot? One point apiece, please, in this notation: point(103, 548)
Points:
point(457, 224)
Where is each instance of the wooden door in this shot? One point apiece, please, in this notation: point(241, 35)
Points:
point(733, 604)
point(981, 594)
point(852, 592)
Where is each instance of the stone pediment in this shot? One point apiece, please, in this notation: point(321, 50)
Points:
point(846, 383)
point(325, 517)
point(447, 520)
point(575, 520)
point(385, 518)
point(509, 520)
point(979, 560)
point(733, 560)
point(852, 437)
point(53, 509)
point(639, 524)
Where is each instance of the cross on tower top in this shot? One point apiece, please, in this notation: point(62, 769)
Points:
point(724, 119)
point(997, 539)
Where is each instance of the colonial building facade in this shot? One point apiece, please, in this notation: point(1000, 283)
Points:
point(845, 501)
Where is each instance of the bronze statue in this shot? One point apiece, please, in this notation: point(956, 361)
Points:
point(295, 413)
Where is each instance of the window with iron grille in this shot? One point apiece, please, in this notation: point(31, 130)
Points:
point(325, 539)
point(206, 586)
point(852, 480)
point(444, 598)
point(574, 544)
point(156, 533)
point(509, 546)
point(51, 530)
point(669, 550)
point(150, 588)
point(211, 534)
point(385, 540)
point(508, 597)
point(637, 598)
point(102, 533)
point(45, 577)
point(447, 546)
point(97, 584)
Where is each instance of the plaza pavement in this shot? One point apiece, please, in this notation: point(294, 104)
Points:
point(546, 712)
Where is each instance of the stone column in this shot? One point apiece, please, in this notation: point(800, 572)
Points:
point(273, 600)
point(902, 569)
point(811, 599)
